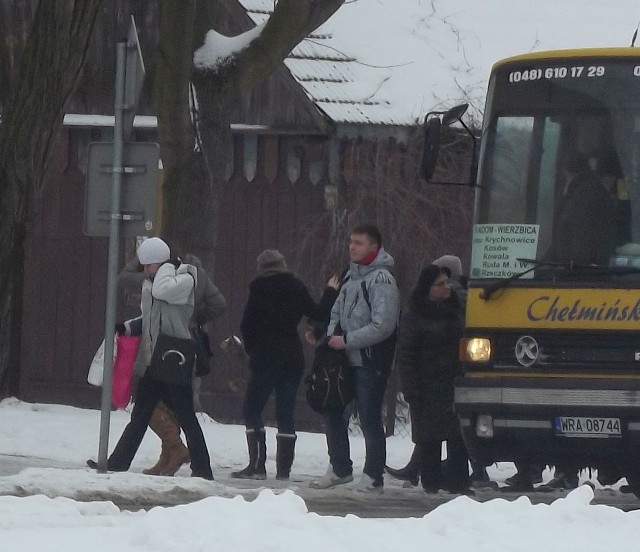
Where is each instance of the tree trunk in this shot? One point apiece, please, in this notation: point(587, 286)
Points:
point(193, 190)
point(175, 130)
point(15, 20)
point(31, 119)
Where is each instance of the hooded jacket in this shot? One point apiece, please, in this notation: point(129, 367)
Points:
point(166, 305)
point(209, 301)
point(366, 323)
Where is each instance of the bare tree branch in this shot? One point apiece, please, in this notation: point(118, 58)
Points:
point(31, 119)
point(419, 221)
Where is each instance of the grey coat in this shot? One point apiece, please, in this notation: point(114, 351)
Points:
point(167, 304)
point(209, 301)
point(364, 325)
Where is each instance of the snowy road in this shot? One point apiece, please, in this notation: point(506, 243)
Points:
point(396, 502)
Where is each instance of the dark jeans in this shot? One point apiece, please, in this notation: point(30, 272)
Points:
point(261, 383)
point(179, 398)
point(370, 387)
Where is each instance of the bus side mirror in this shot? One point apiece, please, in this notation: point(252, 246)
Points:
point(431, 147)
point(454, 114)
point(432, 133)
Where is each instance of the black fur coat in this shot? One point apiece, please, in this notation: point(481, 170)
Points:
point(427, 358)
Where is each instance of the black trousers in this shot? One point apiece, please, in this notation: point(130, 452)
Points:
point(431, 475)
point(179, 398)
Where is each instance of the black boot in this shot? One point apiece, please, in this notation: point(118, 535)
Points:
point(411, 471)
point(285, 454)
point(256, 443)
point(522, 481)
point(431, 476)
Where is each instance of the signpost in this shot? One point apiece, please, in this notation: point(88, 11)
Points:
point(107, 205)
point(138, 192)
point(134, 78)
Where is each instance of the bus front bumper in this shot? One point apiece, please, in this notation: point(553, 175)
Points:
point(589, 421)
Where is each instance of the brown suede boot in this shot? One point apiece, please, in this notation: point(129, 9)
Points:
point(155, 423)
point(174, 453)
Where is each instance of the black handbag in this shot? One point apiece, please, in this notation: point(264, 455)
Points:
point(173, 360)
point(204, 355)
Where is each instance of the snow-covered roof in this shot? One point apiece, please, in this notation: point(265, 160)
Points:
point(389, 62)
point(333, 79)
point(89, 120)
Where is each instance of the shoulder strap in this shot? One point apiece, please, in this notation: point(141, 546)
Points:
point(365, 290)
point(365, 293)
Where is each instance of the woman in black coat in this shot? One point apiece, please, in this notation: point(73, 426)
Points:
point(277, 302)
point(427, 357)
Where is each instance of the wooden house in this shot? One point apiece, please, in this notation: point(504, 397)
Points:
point(312, 157)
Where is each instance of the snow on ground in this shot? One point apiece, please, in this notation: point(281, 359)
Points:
point(230, 519)
point(433, 51)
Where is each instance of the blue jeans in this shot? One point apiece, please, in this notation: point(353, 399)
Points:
point(370, 388)
point(261, 384)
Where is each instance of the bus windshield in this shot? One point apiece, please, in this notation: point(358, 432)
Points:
point(559, 171)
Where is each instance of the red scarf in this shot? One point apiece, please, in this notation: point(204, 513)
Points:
point(370, 258)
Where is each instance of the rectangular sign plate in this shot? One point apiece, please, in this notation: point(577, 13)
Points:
point(580, 426)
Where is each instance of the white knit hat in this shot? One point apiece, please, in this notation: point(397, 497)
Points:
point(452, 264)
point(153, 251)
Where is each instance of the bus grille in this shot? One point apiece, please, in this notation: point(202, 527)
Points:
point(620, 353)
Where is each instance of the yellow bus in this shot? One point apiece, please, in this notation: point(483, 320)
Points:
point(552, 342)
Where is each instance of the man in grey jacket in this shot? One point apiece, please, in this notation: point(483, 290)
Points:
point(363, 323)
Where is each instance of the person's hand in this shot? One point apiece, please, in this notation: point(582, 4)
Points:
point(188, 269)
point(334, 282)
point(337, 342)
point(310, 336)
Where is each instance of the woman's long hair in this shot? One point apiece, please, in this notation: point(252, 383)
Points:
point(419, 301)
point(420, 293)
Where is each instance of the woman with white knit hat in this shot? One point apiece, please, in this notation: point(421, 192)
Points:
point(167, 304)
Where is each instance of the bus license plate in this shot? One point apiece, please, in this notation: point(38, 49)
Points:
point(578, 426)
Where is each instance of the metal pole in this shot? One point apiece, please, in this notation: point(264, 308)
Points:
point(114, 253)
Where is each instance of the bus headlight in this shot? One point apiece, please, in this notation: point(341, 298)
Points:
point(475, 349)
point(484, 426)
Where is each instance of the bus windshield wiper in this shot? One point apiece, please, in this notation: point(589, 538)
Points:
point(569, 267)
point(490, 289)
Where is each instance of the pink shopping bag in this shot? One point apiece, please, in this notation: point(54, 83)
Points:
point(123, 369)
